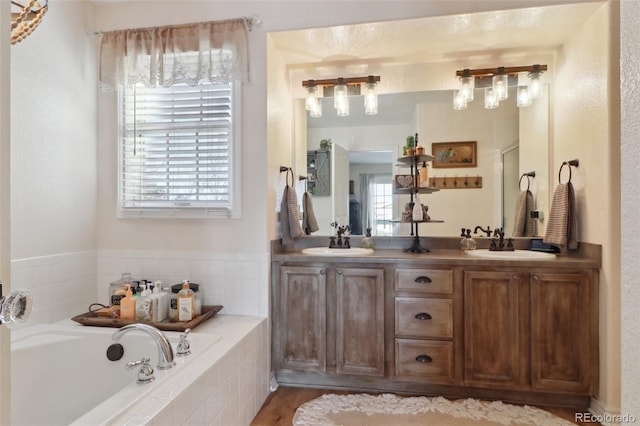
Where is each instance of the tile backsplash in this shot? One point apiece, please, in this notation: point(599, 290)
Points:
point(64, 285)
point(239, 282)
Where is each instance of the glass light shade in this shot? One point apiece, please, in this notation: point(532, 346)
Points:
point(370, 99)
point(500, 85)
point(535, 84)
point(467, 85)
point(490, 98)
point(312, 98)
point(340, 95)
point(316, 111)
point(459, 100)
point(524, 99)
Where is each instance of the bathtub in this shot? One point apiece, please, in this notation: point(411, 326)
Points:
point(61, 374)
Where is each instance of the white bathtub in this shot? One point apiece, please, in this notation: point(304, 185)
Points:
point(61, 374)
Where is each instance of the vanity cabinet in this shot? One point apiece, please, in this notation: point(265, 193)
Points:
point(531, 330)
point(522, 332)
point(330, 320)
point(495, 329)
point(424, 325)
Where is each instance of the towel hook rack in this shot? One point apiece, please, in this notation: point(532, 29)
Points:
point(569, 163)
point(528, 175)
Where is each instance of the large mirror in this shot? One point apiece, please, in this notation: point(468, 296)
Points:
point(364, 148)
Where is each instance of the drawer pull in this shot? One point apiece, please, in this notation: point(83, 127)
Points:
point(423, 280)
point(423, 316)
point(424, 359)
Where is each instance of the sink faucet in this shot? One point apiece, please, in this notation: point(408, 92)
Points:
point(340, 231)
point(499, 246)
point(165, 351)
point(487, 231)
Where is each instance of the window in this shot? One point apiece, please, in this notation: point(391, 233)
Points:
point(381, 194)
point(179, 153)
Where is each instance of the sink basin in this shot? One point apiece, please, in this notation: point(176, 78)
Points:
point(511, 255)
point(324, 251)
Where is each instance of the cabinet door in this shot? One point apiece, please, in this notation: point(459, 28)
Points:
point(495, 321)
point(560, 337)
point(302, 327)
point(360, 321)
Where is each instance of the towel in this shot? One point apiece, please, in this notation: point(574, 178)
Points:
point(523, 223)
point(562, 227)
point(289, 219)
point(309, 222)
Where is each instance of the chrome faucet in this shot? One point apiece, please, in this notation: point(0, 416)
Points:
point(165, 351)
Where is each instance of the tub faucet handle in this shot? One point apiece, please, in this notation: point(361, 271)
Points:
point(184, 348)
point(145, 374)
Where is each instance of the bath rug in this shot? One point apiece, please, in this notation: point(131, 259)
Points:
point(389, 409)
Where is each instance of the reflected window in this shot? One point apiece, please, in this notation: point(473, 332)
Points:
point(377, 202)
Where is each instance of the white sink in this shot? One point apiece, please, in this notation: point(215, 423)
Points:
point(324, 251)
point(511, 255)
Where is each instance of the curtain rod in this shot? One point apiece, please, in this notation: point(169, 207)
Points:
point(249, 21)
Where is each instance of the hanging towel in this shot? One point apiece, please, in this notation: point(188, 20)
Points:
point(309, 222)
point(289, 218)
point(523, 224)
point(562, 228)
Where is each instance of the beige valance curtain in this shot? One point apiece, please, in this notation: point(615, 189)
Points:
point(216, 52)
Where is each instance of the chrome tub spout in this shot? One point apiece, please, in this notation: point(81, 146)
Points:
point(165, 351)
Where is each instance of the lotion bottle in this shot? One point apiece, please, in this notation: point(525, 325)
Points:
point(186, 303)
point(161, 300)
point(128, 305)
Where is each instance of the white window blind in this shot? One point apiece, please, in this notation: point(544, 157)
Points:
point(177, 151)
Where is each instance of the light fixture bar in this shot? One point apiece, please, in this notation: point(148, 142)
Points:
point(346, 81)
point(485, 72)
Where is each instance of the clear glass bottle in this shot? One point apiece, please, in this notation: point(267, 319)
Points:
point(467, 242)
point(118, 288)
point(367, 241)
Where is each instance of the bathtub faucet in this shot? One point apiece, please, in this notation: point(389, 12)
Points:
point(165, 352)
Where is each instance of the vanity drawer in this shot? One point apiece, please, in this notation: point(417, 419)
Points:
point(425, 280)
point(423, 317)
point(420, 358)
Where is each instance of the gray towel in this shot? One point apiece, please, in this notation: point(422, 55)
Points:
point(523, 223)
point(309, 222)
point(562, 228)
point(289, 218)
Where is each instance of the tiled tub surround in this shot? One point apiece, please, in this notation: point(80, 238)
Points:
point(239, 282)
point(223, 383)
point(64, 285)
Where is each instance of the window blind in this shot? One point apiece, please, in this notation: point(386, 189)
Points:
point(176, 150)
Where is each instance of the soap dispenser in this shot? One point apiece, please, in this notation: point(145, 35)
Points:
point(367, 241)
point(467, 242)
point(128, 305)
point(186, 303)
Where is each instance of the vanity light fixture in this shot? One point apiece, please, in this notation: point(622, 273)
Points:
point(26, 15)
point(497, 87)
point(341, 88)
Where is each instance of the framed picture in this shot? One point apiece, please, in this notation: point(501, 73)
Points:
point(454, 154)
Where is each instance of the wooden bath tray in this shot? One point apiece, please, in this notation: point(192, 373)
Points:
point(92, 319)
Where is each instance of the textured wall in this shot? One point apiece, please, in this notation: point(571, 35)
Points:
point(630, 154)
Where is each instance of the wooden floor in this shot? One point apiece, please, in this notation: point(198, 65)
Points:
point(281, 405)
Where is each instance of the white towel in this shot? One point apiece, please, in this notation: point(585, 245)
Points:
point(562, 227)
point(289, 218)
point(309, 222)
point(523, 223)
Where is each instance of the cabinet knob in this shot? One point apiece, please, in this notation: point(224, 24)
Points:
point(423, 316)
point(339, 271)
point(322, 272)
point(423, 280)
point(424, 359)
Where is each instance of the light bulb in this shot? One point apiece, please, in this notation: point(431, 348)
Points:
point(500, 85)
point(490, 98)
point(459, 100)
point(524, 99)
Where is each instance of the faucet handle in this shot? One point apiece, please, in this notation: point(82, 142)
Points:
point(184, 348)
point(145, 374)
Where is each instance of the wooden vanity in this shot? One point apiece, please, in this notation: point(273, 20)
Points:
point(442, 323)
